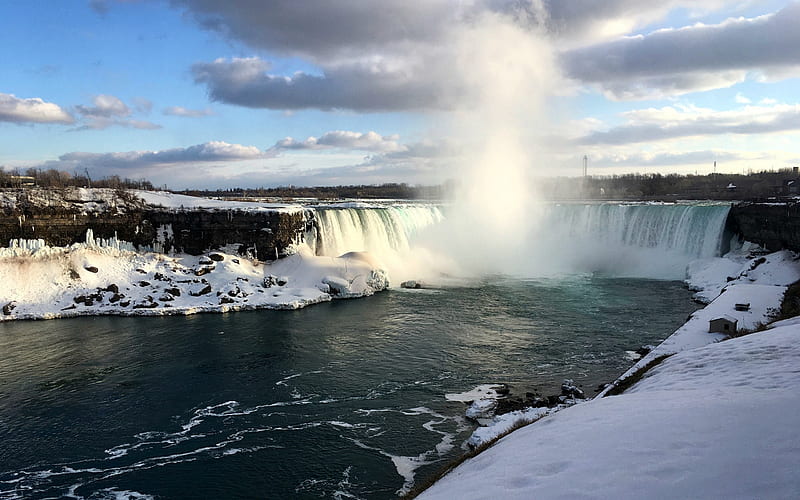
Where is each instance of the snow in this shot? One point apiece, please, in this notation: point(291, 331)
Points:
point(719, 421)
point(41, 282)
point(708, 277)
point(504, 423)
point(485, 391)
point(179, 201)
point(714, 420)
point(74, 199)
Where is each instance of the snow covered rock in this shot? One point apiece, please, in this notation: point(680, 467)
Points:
point(481, 409)
point(51, 282)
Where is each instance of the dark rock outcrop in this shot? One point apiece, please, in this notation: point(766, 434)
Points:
point(775, 226)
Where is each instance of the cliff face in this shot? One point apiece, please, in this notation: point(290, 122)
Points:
point(62, 217)
point(775, 226)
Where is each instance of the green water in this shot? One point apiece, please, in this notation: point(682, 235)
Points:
point(333, 401)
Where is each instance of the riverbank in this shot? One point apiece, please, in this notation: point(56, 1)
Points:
point(713, 419)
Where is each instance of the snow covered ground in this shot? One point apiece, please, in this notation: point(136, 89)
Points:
point(41, 282)
point(74, 199)
point(179, 201)
point(723, 282)
point(715, 420)
point(718, 421)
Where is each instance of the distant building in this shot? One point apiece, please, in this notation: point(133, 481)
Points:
point(731, 187)
point(790, 187)
point(723, 324)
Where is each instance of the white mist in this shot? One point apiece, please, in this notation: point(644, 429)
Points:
point(506, 67)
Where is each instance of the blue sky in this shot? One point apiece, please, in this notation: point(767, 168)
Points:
point(203, 93)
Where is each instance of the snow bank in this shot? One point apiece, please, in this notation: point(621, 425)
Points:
point(88, 279)
point(73, 199)
point(180, 201)
point(708, 277)
point(718, 421)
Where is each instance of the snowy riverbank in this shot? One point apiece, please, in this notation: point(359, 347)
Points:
point(92, 278)
point(714, 420)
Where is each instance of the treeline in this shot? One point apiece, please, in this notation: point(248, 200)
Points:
point(60, 178)
point(383, 191)
point(753, 185)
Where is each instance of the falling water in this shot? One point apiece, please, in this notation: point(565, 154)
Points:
point(380, 231)
point(631, 240)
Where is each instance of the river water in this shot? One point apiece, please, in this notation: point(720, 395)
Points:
point(339, 400)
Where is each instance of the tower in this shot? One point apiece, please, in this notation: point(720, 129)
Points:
point(585, 165)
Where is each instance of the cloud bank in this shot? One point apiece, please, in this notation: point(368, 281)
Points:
point(214, 151)
point(658, 124)
point(342, 139)
point(695, 58)
point(399, 55)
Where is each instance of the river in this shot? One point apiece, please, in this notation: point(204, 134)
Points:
point(339, 400)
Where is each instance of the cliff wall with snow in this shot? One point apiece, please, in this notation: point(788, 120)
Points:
point(150, 221)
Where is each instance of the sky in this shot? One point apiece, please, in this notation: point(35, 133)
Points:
point(251, 93)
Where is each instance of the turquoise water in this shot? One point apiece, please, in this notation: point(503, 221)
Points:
point(339, 400)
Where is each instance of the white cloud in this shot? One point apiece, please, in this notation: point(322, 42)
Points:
point(590, 21)
point(740, 99)
point(342, 139)
point(186, 112)
point(32, 110)
point(108, 110)
point(214, 151)
point(105, 106)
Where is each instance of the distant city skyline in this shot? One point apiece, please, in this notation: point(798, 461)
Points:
point(211, 94)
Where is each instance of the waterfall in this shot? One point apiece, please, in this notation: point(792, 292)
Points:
point(630, 239)
point(615, 239)
point(379, 230)
point(690, 229)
